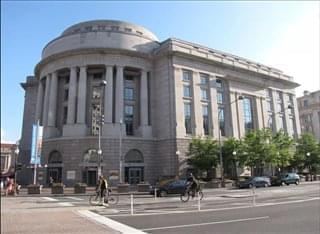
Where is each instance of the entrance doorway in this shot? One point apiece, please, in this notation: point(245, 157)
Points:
point(135, 175)
point(92, 178)
point(55, 173)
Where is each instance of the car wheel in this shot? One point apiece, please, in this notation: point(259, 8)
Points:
point(266, 185)
point(163, 193)
point(297, 182)
point(283, 183)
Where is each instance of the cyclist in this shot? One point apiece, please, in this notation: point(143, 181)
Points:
point(192, 184)
point(102, 188)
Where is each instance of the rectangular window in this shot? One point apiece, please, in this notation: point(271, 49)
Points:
point(204, 79)
point(128, 93)
point(269, 106)
point(96, 92)
point(305, 103)
point(128, 112)
point(221, 121)
point(270, 122)
point(186, 91)
point(218, 83)
point(187, 118)
point(186, 75)
point(204, 94)
point(65, 114)
point(279, 96)
point(280, 107)
point(66, 94)
point(247, 112)
point(219, 97)
point(205, 118)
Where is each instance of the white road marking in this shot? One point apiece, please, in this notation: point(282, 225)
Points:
point(49, 199)
point(75, 198)
point(109, 222)
point(204, 224)
point(157, 212)
point(67, 204)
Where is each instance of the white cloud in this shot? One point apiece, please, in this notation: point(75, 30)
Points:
point(297, 52)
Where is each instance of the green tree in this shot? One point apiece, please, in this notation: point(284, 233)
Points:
point(307, 153)
point(203, 154)
point(231, 152)
point(284, 145)
point(258, 150)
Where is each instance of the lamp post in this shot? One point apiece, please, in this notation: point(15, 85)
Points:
point(120, 152)
point(16, 152)
point(240, 97)
point(101, 120)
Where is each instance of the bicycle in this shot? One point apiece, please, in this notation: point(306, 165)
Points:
point(184, 197)
point(108, 198)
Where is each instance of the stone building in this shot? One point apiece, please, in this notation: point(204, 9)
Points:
point(8, 159)
point(309, 113)
point(158, 95)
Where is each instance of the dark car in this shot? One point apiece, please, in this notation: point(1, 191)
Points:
point(257, 181)
point(170, 187)
point(287, 178)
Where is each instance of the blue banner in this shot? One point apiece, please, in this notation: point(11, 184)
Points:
point(36, 144)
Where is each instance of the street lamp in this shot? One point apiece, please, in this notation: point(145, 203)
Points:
point(240, 97)
point(101, 122)
point(120, 152)
point(16, 151)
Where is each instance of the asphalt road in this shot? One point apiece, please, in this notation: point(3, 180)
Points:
point(288, 209)
point(293, 218)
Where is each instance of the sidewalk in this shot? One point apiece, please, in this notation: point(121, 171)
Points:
point(19, 215)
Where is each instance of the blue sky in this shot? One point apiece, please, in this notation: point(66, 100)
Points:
point(280, 34)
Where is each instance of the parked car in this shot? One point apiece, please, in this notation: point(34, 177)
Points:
point(257, 181)
point(287, 178)
point(171, 187)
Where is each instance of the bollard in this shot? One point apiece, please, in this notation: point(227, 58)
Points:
point(253, 196)
point(131, 204)
point(199, 205)
point(155, 193)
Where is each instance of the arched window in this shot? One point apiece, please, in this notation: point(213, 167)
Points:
point(91, 156)
point(134, 156)
point(55, 157)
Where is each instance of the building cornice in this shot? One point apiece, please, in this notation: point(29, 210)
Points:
point(173, 46)
point(86, 51)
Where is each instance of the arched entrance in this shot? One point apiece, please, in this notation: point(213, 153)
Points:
point(54, 169)
point(90, 167)
point(134, 167)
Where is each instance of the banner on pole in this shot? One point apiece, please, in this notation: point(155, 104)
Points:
point(36, 144)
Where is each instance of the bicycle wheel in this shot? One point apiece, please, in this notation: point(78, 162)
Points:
point(94, 200)
point(112, 199)
point(184, 197)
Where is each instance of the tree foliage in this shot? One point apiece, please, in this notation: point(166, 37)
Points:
point(307, 153)
point(203, 154)
point(284, 146)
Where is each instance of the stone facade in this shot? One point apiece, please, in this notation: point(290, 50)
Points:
point(309, 113)
point(153, 98)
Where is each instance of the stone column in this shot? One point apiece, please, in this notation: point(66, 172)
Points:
point(276, 123)
point(72, 96)
point(39, 101)
point(108, 95)
point(119, 95)
point(297, 128)
point(214, 121)
point(258, 114)
point(53, 100)
point(179, 118)
point(82, 94)
point(46, 102)
point(197, 106)
point(143, 99)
